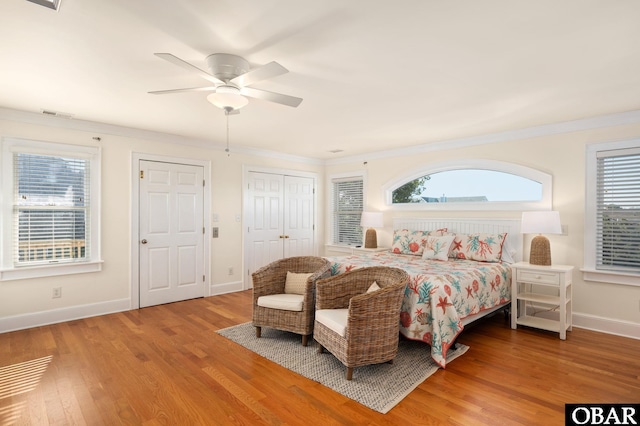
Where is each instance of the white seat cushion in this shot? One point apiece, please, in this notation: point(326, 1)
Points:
point(286, 302)
point(334, 319)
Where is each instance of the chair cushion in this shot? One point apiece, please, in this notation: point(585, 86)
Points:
point(296, 283)
point(373, 287)
point(334, 319)
point(286, 302)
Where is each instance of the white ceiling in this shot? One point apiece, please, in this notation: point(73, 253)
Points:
point(374, 75)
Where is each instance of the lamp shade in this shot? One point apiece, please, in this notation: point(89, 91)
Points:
point(541, 222)
point(371, 220)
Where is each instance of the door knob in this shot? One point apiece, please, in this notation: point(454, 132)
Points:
point(144, 241)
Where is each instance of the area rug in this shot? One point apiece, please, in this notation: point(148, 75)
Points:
point(379, 387)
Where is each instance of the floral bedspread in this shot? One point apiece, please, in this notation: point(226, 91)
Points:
point(440, 294)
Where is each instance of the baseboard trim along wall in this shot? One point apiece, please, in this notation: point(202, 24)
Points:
point(21, 322)
point(591, 322)
point(224, 288)
point(607, 325)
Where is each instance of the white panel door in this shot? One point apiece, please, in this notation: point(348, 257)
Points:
point(265, 240)
point(280, 219)
point(298, 216)
point(171, 228)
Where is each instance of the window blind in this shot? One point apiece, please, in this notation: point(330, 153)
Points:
point(51, 209)
point(347, 205)
point(618, 210)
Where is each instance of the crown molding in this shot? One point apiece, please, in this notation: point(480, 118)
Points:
point(618, 119)
point(130, 132)
point(610, 120)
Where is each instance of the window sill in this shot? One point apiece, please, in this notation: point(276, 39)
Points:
point(50, 270)
point(338, 248)
point(611, 277)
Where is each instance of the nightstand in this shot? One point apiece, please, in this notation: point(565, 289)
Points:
point(361, 250)
point(542, 289)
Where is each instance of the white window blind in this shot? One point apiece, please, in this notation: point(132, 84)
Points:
point(347, 205)
point(51, 214)
point(618, 210)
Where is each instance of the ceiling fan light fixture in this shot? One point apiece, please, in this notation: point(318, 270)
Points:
point(227, 96)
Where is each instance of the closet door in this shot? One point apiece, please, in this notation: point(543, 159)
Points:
point(265, 239)
point(298, 216)
point(279, 216)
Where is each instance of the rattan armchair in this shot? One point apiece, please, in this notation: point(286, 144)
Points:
point(357, 327)
point(269, 281)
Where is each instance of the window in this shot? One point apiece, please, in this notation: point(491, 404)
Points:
point(471, 185)
point(347, 203)
point(49, 219)
point(612, 223)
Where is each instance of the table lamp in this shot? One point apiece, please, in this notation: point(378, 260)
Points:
point(371, 220)
point(540, 222)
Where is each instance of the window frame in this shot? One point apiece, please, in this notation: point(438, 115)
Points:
point(473, 164)
point(589, 269)
point(9, 271)
point(361, 175)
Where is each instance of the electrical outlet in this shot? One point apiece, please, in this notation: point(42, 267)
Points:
point(57, 293)
point(230, 270)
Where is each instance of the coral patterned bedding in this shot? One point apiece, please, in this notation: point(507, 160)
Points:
point(440, 293)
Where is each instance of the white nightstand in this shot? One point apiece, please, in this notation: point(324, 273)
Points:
point(360, 250)
point(527, 285)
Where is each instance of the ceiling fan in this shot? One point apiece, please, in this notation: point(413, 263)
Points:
point(232, 76)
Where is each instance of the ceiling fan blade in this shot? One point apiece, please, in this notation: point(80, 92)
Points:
point(270, 70)
point(279, 98)
point(186, 65)
point(191, 89)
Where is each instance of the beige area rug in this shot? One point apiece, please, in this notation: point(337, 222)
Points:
point(379, 387)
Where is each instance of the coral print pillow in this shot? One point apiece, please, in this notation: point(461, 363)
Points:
point(411, 242)
point(437, 248)
point(479, 247)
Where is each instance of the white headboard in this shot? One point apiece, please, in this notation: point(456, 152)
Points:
point(468, 226)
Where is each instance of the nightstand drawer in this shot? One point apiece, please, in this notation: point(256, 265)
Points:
point(534, 277)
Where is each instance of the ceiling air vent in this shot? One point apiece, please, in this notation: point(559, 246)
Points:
point(51, 4)
point(56, 113)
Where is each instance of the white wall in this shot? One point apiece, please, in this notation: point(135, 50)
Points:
point(608, 307)
point(29, 302)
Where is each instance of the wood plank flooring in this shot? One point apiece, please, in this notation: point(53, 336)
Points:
point(165, 365)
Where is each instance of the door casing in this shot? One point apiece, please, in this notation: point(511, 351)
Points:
point(136, 157)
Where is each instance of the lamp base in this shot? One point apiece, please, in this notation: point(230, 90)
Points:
point(540, 251)
point(371, 239)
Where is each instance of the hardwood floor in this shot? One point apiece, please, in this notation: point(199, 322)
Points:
point(165, 365)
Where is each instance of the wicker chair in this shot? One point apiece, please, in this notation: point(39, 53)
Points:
point(269, 282)
point(356, 326)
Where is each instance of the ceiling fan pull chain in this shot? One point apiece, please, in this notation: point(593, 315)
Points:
point(227, 149)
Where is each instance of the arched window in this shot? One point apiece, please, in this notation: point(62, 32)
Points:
point(471, 185)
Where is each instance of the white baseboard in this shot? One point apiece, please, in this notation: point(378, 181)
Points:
point(593, 323)
point(21, 322)
point(223, 288)
point(607, 325)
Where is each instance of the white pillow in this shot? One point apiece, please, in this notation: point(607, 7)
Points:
point(373, 287)
point(437, 248)
point(296, 283)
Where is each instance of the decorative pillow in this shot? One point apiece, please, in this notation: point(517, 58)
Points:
point(437, 248)
point(440, 232)
point(296, 283)
point(480, 247)
point(412, 242)
point(373, 287)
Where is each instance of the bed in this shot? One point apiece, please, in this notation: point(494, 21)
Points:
point(446, 293)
